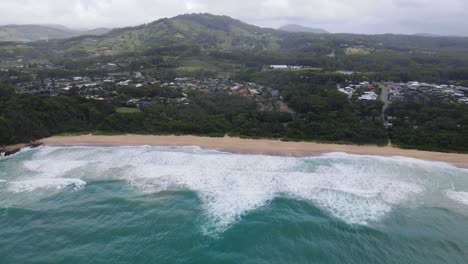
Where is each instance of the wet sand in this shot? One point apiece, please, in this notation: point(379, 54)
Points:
point(252, 146)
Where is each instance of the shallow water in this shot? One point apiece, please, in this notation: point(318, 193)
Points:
point(189, 205)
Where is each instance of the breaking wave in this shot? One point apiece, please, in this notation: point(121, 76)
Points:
point(355, 189)
point(44, 183)
point(461, 197)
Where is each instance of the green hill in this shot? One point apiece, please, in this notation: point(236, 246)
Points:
point(225, 34)
point(204, 30)
point(220, 43)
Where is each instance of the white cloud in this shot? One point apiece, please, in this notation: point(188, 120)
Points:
point(361, 16)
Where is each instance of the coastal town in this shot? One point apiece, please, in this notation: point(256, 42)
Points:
point(197, 131)
point(414, 90)
point(113, 88)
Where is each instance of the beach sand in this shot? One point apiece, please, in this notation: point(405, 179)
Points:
point(252, 146)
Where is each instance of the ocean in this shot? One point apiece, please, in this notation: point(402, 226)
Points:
point(191, 205)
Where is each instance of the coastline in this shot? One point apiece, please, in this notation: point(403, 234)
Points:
point(13, 149)
point(252, 146)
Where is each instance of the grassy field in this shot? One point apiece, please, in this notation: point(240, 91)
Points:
point(308, 69)
point(305, 69)
point(357, 51)
point(127, 110)
point(194, 64)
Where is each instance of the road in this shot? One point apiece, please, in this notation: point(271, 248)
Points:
point(384, 97)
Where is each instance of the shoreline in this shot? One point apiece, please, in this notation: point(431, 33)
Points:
point(252, 146)
point(13, 149)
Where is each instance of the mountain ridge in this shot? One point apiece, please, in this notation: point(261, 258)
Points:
point(32, 32)
point(299, 28)
point(223, 33)
point(201, 41)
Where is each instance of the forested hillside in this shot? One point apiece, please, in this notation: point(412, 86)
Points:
point(204, 38)
point(44, 91)
point(323, 114)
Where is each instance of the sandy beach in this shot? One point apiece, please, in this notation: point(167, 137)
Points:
point(252, 146)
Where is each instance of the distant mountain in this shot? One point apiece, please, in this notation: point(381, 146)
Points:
point(209, 36)
point(216, 35)
point(96, 31)
point(438, 36)
point(299, 28)
point(29, 33)
point(208, 32)
point(427, 35)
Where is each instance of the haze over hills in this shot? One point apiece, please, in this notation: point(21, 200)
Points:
point(299, 28)
point(28, 33)
point(203, 30)
point(210, 34)
point(439, 36)
point(427, 35)
point(205, 42)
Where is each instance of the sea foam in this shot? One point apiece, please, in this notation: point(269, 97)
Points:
point(44, 183)
point(53, 168)
point(461, 197)
point(355, 189)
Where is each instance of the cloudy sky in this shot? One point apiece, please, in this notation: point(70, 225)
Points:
point(447, 17)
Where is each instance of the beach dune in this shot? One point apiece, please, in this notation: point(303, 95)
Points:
point(252, 146)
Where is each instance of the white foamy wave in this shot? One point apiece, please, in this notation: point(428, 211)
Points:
point(461, 197)
point(228, 185)
point(393, 159)
point(231, 185)
point(355, 194)
point(53, 168)
point(21, 151)
point(357, 189)
point(35, 184)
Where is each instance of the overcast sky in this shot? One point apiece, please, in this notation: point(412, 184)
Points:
point(447, 17)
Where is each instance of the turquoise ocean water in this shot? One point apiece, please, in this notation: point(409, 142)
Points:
point(189, 205)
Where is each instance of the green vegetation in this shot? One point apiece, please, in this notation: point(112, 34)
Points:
point(430, 125)
point(322, 114)
point(204, 46)
point(24, 117)
point(357, 51)
point(221, 44)
point(127, 110)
